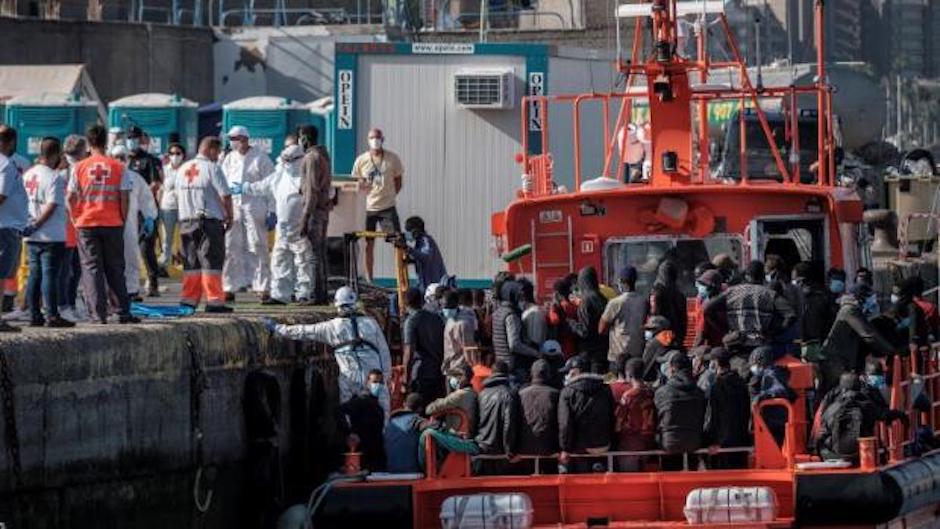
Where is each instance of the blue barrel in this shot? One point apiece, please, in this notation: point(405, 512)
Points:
point(160, 116)
point(49, 114)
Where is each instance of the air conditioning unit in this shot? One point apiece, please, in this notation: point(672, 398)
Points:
point(492, 89)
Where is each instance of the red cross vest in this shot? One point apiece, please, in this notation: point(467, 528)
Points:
point(98, 180)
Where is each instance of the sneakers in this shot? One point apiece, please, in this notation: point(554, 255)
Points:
point(229, 297)
point(128, 318)
point(272, 301)
point(68, 313)
point(219, 309)
point(37, 321)
point(58, 322)
point(6, 327)
point(153, 288)
point(18, 315)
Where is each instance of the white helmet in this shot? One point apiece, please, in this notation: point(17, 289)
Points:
point(345, 297)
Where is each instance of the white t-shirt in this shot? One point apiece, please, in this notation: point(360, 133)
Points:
point(46, 186)
point(200, 186)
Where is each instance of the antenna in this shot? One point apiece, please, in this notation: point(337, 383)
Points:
point(757, 51)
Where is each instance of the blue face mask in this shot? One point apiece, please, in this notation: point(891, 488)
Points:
point(876, 381)
point(409, 236)
point(664, 370)
point(702, 290)
point(454, 383)
point(375, 388)
point(870, 308)
point(837, 286)
point(450, 314)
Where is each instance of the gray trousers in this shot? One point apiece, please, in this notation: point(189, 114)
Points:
point(102, 254)
point(316, 232)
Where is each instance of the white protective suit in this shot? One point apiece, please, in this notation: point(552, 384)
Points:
point(246, 243)
point(355, 357)
point(141, 201)
point(292, 257)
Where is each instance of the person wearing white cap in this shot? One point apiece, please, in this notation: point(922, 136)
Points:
point(292, 257)
point(140, 201)
point(246, 243)
point(358, 343)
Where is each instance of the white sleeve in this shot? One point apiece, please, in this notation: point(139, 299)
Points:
point(264, 187)
point(318, 332)
point(145, 202)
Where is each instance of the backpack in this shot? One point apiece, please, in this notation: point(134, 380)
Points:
point(842, 426)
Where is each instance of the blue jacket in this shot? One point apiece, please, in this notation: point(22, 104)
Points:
point(401, 442)
point(429, 263)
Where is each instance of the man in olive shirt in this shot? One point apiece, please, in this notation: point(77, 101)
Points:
point(379, 171)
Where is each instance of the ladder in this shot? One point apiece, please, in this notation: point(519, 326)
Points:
point(552, 252)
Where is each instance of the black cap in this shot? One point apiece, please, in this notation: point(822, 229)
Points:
point(657, 323)
point(579, 362)
point(717, 353)
point(134, 132)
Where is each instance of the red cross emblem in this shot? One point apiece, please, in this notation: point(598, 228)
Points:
point(100, 172)
point(192, 173)
point(32, 185)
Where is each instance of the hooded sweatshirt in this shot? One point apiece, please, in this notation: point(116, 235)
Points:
point(590, 311)
point(667, 300)
point(585, 414)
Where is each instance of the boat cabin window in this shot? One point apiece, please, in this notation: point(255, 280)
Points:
point(794, 240)
point(760, 159)
point(646, 254)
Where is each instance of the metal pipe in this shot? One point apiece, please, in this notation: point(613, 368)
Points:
point(822, 163)
point(703, 139)
point(626, 106)
point(483, 6)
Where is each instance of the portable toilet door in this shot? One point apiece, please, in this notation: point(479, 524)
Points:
point(47, 115)
point(268, 120)
point(160, 116)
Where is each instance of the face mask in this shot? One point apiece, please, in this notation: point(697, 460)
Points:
point(175, 159)
point(876, 381)
point(648, 335)
point(664, 370)
point(375, 143)
point(770, 278)
point(409, 236)
point(702, 290)
point(132, 145)
point(568, 378)
point(755, 370)
point(895, 298)
point(796, 283)
point(454, 383)
point(450, 314)
point(375, 388)
point(871, 306)
point(522, 306)
point(70, 159)
point(837, 286)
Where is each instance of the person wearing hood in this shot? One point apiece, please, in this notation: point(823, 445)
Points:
point(538, 432)
point(499, 420)
point(713, 324)
point(143, 205)
point(659, 340)
point(292, 257)
point(770, 381)
point(423, 344)
point(590, 312)
point(585, 415)
point(852, 335)
point(509, 343)
point(680, 411)
point(459, 332)
point(727, 412)
point(668, 301)
point(358, 343)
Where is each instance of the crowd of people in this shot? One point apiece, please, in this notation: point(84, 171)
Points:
point(93, 208)
point(585, 373)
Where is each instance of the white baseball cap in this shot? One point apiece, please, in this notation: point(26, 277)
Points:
point(238, 131)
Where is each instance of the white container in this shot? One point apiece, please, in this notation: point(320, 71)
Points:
point(730, 505)
point(508, 510)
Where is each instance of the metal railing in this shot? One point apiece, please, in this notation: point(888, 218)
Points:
point(280, 16)
point(610, 456)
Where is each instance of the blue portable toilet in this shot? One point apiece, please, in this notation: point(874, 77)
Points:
point(48, 114)
point(268, 120)
point(159, 116)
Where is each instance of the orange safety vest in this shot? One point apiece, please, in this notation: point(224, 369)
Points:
point(98, 179)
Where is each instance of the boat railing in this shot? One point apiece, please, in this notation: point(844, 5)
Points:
point(612, 456)
point(918, 374)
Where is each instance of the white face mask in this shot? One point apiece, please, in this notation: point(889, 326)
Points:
point(175, 160)
point(375, 143)
point(755, 369)
point(131, 144)
point(895, 298)
point(70, 159)
point(648, 335)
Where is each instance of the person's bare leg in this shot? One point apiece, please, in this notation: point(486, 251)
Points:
point(370, 258)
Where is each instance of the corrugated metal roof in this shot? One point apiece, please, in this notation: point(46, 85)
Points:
point(152, 99)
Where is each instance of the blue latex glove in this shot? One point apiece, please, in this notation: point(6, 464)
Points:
point(150, 225)
point(269, 324)
point(270, 221)
point(236, 188)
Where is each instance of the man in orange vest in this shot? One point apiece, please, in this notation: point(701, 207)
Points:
point(98, 194)
point(205, 214)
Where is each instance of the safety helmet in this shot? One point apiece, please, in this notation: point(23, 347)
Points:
point(345, 297)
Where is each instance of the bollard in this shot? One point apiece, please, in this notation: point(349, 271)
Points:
point(868, 453)
point(352, 463)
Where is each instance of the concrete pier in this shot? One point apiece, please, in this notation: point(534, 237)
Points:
point(104, 424)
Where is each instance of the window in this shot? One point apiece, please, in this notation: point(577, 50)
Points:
point(646, 254)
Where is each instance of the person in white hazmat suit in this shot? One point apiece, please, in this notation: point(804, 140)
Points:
point(141, 202)
point(357, 340)
point(246, 242)
point(293, 255)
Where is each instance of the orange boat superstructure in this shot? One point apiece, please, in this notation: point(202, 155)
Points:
point(685, 209)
